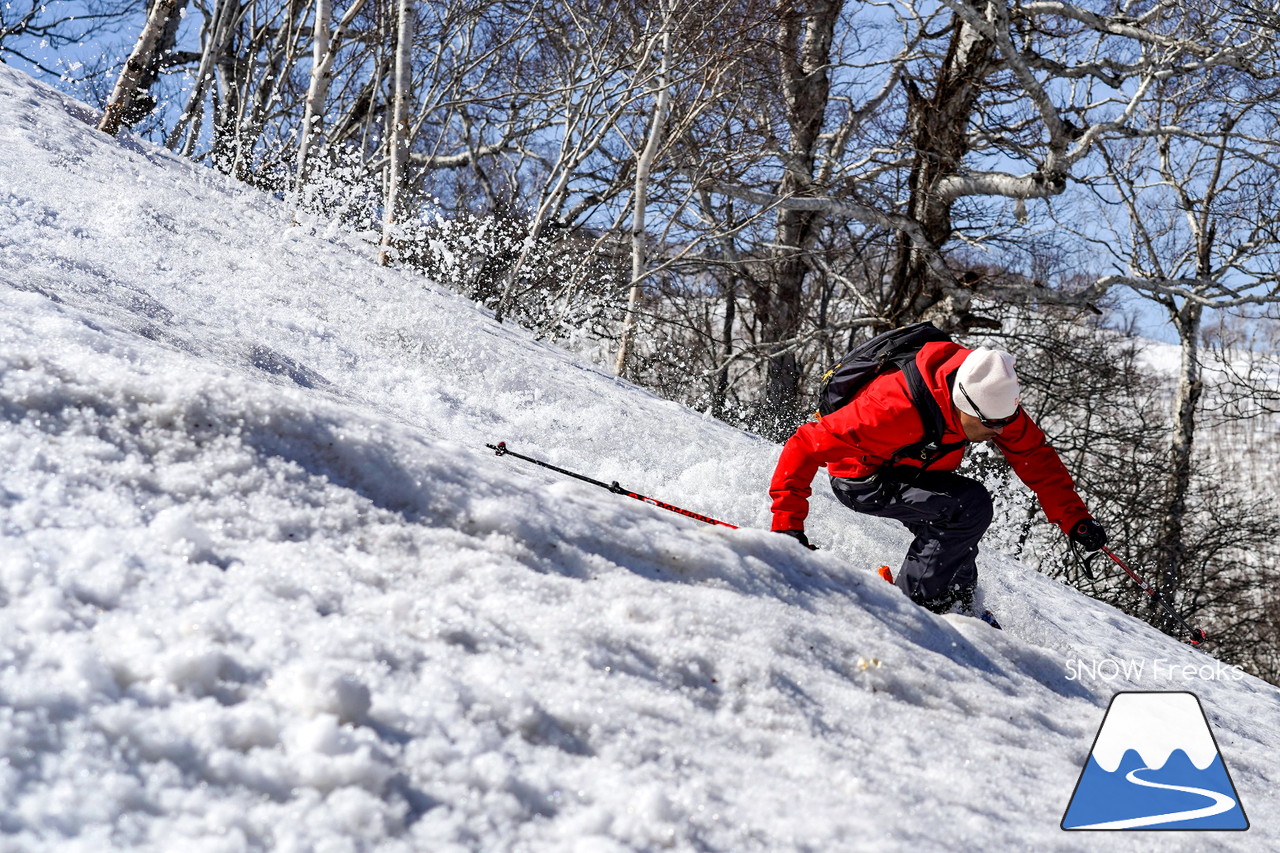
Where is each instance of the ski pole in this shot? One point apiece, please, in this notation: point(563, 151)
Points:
point(1196, 635)
point(501, 450)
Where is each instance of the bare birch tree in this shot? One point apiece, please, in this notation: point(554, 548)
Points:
point(325, 48)
point(215, 38)
point(400, 138)
point(140, 59)
point(1197, 235)
point(640, 195)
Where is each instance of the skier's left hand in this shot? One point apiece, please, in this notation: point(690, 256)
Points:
point(1088, 534)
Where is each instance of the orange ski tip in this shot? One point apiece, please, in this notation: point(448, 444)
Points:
point(885, 573)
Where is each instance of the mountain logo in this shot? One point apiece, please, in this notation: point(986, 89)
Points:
point(1155, 765)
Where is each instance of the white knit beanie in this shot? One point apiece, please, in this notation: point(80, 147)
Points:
point(988, 380)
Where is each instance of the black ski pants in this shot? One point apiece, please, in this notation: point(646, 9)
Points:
point(947, 513)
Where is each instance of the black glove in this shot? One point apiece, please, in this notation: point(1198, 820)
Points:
point(799, 536)
point(1088, 534)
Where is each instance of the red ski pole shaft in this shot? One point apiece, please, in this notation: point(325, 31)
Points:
point(618, 490)
point(502, 450)
point(1196, 635)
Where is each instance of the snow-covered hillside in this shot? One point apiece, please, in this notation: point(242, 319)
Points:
point(263, 587)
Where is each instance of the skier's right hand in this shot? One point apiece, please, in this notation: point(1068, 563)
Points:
point(1088, 534)
point(799, 536)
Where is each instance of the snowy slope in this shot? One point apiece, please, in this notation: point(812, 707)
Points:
point(262, 586)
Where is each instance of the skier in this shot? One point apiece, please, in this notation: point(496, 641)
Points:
point(872, 450)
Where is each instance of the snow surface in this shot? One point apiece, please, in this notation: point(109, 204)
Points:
point(263, 587)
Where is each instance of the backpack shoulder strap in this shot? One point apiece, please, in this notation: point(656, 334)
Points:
point(930, 447)
point(924, 401)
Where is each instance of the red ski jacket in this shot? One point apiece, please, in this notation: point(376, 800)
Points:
point(861, 438)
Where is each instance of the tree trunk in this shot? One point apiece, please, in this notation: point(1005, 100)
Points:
point(398, 143)
point(324, 52)
point(807, 33)
point(317, 93)
point(215, 40)
point(938, 127)
point(264, 83)
point(644, 167)
point(226, 113)
point(142, 58)
point(1172, 547)
point(720, 395)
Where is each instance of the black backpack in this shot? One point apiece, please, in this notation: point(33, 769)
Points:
point(892, 350)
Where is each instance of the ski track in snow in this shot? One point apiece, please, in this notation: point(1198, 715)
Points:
point(262, 587)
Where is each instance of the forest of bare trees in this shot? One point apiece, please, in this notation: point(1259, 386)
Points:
point(716, 198)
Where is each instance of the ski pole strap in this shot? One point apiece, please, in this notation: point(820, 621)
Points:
point(1084, 563)
point(501, 449)
point(1196, 636)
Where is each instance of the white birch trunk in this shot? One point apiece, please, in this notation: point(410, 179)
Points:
point(324, 52)
point(1186, 402)
point(213, 43)
point(644, 167)
point(142, 55)
point(399, 141)
point(317, 91)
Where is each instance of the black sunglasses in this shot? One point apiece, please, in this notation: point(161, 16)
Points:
point(989, 423)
